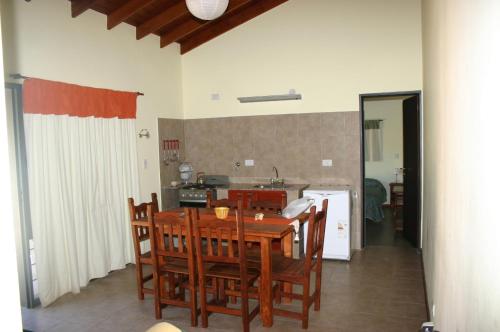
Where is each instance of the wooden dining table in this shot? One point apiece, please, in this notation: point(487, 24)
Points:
point(273, 226)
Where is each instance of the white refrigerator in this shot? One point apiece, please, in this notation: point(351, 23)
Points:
point(338, 221)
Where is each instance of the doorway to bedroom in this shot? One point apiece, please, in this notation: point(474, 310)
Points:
point(391, 168)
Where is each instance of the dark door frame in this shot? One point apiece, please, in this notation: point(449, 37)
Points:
point(362, 98)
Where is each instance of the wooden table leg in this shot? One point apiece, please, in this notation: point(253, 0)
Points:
point(287, 252)
point(266, 294)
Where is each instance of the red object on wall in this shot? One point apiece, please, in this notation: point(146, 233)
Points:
point(49, 97)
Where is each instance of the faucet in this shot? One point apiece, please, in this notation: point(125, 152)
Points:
point(277, 179)
point(276, 170)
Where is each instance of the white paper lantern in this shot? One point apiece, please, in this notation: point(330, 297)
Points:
point(207, 9)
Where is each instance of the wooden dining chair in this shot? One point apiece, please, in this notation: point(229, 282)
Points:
point(173, 261)
point(232, 204)
point(140, 234)
point(298, 271)
point(272, 207)
point(227, 266)
point(267, 205)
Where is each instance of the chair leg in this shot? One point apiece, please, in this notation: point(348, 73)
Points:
point(305, 305)
point(194, 307)
point(203, 304)
point(221, 296)
point(182, 290)
point(277, 293)
point(232, 287)
point(216, 293)
point(244, 313)
point(157, 289)
point(317, 290)
point(139, 276)
point(171, 285)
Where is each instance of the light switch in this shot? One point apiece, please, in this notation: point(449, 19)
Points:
point(215, 96)
point(249, 162)
point(145, 164)
point(327, 163)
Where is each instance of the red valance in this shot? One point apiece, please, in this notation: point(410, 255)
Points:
point(49, 97)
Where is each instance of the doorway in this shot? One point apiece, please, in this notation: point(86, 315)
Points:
point(391, 168)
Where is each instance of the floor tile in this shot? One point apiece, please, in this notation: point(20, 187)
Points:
point(381, 289)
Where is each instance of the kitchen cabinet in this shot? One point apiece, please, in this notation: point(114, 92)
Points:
point(256, 195)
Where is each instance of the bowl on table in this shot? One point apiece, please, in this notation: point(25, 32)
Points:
point(221, 212)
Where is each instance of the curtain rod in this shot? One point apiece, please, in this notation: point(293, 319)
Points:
point(22, 77)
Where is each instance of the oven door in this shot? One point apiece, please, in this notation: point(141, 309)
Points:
point(198, 204)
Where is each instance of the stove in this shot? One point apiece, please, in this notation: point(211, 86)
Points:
point(195, 195)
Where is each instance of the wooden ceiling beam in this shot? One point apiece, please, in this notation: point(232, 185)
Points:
point(125, 11)
point(180, 31)
point(218, 27)
point(78, 7)
point(164, 18)
point(192, 24)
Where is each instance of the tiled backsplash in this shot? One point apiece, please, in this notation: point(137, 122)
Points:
point(295, 143)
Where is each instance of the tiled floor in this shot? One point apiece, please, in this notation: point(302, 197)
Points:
point(381, 289)
point(383, 234)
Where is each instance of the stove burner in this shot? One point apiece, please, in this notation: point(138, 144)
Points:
point(199, 186)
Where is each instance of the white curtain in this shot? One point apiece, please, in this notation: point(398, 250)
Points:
point(373, 140)
point(81, 171)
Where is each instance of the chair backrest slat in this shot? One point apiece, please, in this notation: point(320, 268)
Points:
point(230, 247)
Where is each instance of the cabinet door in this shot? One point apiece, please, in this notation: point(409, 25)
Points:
point(234, 195)
point(256, 195)
point(268, 195)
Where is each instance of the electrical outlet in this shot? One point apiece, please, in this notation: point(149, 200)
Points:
point(427, 327)
point(249, 162)
point(327, 163)
point(215, 96)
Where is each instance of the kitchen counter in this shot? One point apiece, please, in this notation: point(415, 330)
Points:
point(339, 187)
point(251, 186)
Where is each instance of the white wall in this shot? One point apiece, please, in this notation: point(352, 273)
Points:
point(391, 111)
point(328, 50)
point(461, 245)
point(42, 40)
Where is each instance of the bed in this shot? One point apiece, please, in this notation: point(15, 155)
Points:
point(375, 196)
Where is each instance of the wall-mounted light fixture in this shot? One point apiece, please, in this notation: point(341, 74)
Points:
point(258, 99)
point(144, 133)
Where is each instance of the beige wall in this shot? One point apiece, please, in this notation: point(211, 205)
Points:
point(461, 244)
point(391, 111)
point(328, 50)
point(42, 40)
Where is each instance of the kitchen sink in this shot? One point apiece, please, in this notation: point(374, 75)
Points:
point(271, 186)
